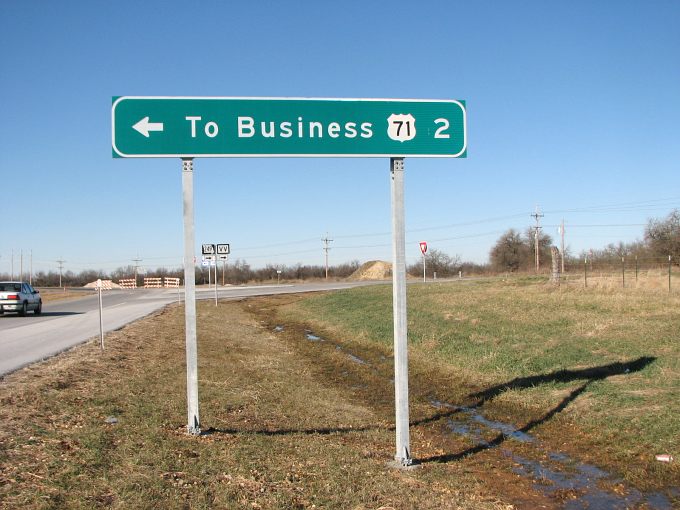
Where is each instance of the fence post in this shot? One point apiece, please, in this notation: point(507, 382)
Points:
point(669, 274)
point(636, 269)
point(623, 272)
point(585, 271)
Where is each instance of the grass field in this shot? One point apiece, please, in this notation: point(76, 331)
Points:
point(297, 405)
point(607, 359)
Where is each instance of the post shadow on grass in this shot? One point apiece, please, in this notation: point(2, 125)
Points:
point(564, 376)
point(329, 430)
point(590, 374)
point(291, 432)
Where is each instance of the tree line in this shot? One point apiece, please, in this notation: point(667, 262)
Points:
point(235, 273)
point(514, 251)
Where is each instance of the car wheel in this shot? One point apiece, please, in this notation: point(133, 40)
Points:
point(38, 310)
point(24, 310)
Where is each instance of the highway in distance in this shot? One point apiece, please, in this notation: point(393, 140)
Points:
point(64, 324)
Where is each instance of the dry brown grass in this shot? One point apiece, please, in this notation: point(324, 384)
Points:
point(52, 295)
point(277, 433)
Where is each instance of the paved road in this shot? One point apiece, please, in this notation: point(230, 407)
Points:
point(64, 324)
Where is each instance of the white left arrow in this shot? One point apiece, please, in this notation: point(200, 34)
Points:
point(145, 127)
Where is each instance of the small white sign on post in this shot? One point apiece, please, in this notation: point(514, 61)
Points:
point(423, 250)
point(223, 252)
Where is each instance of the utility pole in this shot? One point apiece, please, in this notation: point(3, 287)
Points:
point(30, 274)
point(136, 261)
point(537, 216)
point(562, 245)
point(325, 249)
point(12, 277)
point(61, 266)
point(21, 265)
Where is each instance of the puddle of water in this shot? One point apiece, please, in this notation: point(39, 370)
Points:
point(464, 429)
point(357, 359)
point(563, 474)
point(583, 481)
point(503, 428)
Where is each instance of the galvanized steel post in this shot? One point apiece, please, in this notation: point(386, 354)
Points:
point(403, 451)
point(193, 422)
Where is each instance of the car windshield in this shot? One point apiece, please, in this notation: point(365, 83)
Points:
point(10, 287)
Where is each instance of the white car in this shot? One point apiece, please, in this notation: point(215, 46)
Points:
point(19, 297)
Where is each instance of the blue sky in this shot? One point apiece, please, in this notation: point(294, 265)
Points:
point(572, 106)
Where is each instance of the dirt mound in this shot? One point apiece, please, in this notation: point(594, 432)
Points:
point(373, 270)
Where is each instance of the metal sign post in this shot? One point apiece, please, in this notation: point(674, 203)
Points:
point(403, 451)
point(193, 421)
point(101, 315)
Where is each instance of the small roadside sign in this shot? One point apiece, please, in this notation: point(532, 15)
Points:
point(423, 247)
point(208, 257)
point(208, 249)
point(223, 249)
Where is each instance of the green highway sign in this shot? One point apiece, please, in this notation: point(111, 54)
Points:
point(187, 127)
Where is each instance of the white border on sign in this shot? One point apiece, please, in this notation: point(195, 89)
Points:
point(178, 155)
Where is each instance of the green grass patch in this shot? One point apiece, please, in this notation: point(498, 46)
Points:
point(536, 343)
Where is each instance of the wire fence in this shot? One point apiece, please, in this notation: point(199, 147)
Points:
point(650, 273)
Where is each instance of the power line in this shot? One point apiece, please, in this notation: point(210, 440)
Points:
point(136, 261)
point(325, 249)
point(537, 215)
point(604, 209)
point(61, 267)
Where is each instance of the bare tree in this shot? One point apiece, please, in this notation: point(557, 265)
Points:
point(663, 236)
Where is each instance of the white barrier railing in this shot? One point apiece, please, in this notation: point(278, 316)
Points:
point(130, 283)
point(153, 283)
point(171, 282)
